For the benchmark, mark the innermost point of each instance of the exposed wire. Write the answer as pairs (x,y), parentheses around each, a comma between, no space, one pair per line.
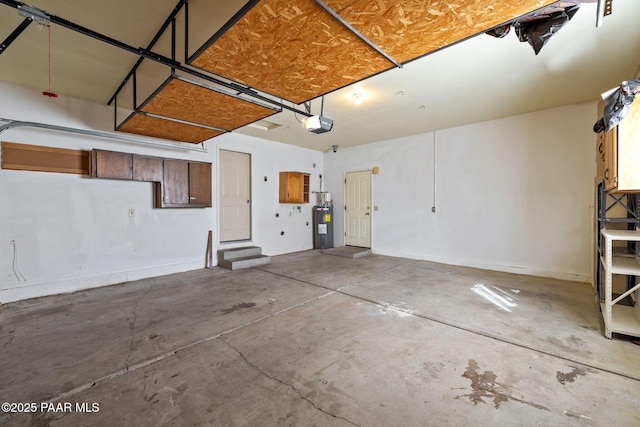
(14,266)
(307,107)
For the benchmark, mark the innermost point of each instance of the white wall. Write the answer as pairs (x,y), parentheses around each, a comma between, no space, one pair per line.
(513,194)
(73,232)
(268,158)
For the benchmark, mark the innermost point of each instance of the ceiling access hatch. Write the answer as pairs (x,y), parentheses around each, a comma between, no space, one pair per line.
(301,50)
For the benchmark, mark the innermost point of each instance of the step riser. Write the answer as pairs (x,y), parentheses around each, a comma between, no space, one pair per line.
(245,263)
(239,258)
(230,254)
(361,254)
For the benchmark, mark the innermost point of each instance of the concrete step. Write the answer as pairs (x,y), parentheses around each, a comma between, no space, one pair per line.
(234,253)
(245,262)
(245,257)
(347,252)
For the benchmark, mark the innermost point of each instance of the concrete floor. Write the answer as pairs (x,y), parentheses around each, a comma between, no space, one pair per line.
(317,340)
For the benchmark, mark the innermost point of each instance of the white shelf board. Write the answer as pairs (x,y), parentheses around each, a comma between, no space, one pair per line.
(624,265)
(625,320)
(629,235)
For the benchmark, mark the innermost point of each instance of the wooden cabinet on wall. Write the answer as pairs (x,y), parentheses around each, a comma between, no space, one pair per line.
(111,165)
(185,184)
(147,168)
(179,183)
(621,149)
(294,187)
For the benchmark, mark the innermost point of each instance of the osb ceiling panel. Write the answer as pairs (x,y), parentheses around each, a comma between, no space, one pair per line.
(410,29)
(186,101)
(294,50)
(166,129)
(298,51)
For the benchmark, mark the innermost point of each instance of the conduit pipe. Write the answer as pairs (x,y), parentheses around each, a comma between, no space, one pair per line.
(99,134)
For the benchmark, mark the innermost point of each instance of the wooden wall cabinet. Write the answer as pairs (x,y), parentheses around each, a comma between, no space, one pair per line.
(179,183)
(294,187)
(185,184)
(622,153)
(147,168)
(111,165)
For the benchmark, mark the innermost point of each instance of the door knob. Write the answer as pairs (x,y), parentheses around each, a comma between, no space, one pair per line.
(367,213)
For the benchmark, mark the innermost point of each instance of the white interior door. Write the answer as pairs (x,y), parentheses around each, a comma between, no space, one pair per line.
(358,209)
(235,196)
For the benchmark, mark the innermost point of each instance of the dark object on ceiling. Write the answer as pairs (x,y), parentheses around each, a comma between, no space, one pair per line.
(499,32)
(537,27)
(617,105)
(538,31)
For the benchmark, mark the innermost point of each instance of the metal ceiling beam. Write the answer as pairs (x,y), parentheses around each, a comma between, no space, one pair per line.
(14,35)
(148,54)
(153,42)
(358,33)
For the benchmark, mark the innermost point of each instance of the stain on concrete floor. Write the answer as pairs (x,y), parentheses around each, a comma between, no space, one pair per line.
(237,307)
(484,385)
(569,377)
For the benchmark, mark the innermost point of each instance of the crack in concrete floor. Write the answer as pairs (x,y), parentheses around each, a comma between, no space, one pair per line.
(163,356)
(290,386)
(132,326)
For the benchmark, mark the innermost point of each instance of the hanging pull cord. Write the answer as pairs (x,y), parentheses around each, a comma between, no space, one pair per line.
(49,93)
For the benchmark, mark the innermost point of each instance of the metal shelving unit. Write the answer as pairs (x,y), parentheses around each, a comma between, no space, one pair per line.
(621,312)
(619,318)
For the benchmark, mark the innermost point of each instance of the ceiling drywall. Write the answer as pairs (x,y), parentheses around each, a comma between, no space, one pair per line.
(479,79)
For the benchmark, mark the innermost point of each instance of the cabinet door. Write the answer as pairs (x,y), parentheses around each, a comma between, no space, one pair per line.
(290,187)
(628,150)
(147,168)
(200,183)
(611,159)
(112,165)
(294,187)
(175,185)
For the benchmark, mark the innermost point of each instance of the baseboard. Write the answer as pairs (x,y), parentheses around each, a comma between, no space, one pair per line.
(561,275)
(10,292)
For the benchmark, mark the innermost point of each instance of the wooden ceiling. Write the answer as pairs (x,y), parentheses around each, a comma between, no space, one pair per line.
(481,79)
(143,124)
(198,112)
(299,51)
